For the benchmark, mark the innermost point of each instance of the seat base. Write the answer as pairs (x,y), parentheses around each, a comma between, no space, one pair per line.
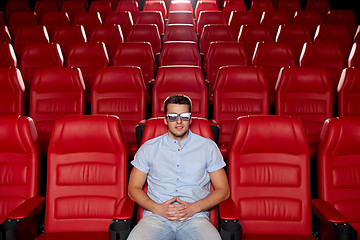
(275,237)
(74,236)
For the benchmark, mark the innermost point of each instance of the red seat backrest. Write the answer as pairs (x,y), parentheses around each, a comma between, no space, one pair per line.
(296,35)
(260,6)
(268,170)
(187,80)
(153,17)
(239,18)
(52,20)
(87,173)
(273,20)
(19,162)
(5,36)
(349,92)
(222,54)
(180,53)
(238,91)
(305,93)
(290,7)
(326,55)
(156,6)
(181,5)
(124,19)
(88,20)
(12,89)
(180,17)
(55,93)
(121,91)
(131,6)
(272,56)
(230,6)
(354,55)
(137,54)
(309,18)
(212,33)
(35,56)
(209,17)
(145,33)
(205,6)
(180,32)
(7,56)
(344,17)
(103,7)
(89,57)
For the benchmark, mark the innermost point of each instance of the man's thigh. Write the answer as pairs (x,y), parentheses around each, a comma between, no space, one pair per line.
(197,229)
(151,228)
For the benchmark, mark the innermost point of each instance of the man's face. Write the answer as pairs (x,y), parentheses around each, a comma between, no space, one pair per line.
(178,129)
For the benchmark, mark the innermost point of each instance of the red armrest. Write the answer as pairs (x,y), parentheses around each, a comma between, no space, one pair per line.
(327,212)
(228,210)
(30,207)
(124,209)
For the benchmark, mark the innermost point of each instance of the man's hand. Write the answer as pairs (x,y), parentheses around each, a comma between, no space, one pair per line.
(173,212)
(190,208)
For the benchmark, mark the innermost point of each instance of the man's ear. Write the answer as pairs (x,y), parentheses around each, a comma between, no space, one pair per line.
(165,121)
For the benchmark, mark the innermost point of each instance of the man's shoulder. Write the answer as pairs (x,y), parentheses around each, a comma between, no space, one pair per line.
(197,138)
(154,140)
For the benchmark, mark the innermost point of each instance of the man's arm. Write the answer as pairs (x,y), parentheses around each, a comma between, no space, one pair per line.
(221,193)
(135,191)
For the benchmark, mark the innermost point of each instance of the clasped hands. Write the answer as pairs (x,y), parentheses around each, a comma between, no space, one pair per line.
(176,212)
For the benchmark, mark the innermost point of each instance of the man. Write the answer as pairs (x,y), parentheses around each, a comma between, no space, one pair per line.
(179,167)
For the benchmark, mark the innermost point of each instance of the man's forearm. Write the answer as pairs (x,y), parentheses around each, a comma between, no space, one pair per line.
(141,198)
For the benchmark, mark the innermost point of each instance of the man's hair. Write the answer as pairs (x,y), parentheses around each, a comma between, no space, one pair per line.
(177,99)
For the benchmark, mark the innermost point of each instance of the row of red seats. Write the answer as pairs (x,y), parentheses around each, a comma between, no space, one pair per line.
(268,170)
(239,90)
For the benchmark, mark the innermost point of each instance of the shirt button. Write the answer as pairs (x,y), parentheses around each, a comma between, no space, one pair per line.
(177,179)
(178,165)
(179,149)
(176,190)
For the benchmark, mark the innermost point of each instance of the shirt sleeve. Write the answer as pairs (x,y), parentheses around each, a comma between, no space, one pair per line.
(141,160)
(216,159)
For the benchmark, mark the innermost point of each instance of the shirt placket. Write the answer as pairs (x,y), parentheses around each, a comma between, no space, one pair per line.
(178,167)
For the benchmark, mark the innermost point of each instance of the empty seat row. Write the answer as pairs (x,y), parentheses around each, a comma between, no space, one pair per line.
(282,157)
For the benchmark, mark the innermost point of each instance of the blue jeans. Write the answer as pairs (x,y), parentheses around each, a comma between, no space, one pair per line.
(155,228)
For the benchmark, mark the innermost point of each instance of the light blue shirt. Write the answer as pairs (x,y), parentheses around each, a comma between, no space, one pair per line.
(178,171)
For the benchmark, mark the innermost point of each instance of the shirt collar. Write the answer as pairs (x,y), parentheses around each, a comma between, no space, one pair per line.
(182,143)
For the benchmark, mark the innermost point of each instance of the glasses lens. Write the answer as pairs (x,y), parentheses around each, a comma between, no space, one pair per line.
(185,116)
(172,117)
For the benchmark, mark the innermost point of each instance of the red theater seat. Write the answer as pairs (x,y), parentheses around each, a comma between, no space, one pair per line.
(338,168)
(290,7)
(309,18)
(87,178)
(20,178)
(16,6)
(209,17)
(305,93)
(204,6)
(150,6)
(268,170)
(273,20)
(230,6)
(36,56)
(337,33)
(250,35)
(260,6)
(72,8)
(326,55)
(124,19)
(344,17)
(137,54)
(321,6)
(110,35)
(131,6)
(212,33)
(180,17)
(271,57)
(145,33)
(12,89)
(187,80)
(121,91)
(55,93)
(52,20)
(25,35)
(180,5)
(296,35)
(42,7)
(5,36)
(180,32)
(239,91)
(239,18)
(68,34)
(103,7)
(180,53)
(21,18)
(222,54)
(89,57)
(348,92)
(7,56)
(153,17)
(88,20)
